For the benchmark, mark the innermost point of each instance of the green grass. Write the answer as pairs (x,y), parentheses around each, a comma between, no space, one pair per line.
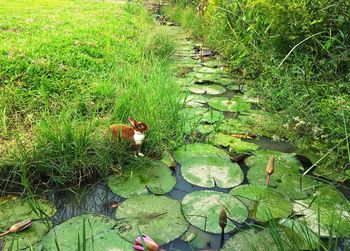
(69,69)
(297,56)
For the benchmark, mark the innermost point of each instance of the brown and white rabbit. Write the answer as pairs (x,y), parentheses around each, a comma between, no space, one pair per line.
(135,134)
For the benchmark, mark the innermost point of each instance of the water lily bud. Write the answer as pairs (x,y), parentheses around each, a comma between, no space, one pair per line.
(223,218)
(270,165)
(20,226)
(150,244)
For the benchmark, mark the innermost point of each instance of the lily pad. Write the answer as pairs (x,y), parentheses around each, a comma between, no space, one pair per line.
(208,89)
(297,186)
(195,100)
(285,237)
(168,160)
(211,70)
(96,231)
(234,126)
(237,104)
(326,212)
(156,216)
(203,77)
(211,172)
(189,151)
(138,178)
(264,203)
(212,63)
(185,81)
(251,240)
(202,209)
(212,117)
(285,163)
(236,145)
(28,237)
(205,129)
(14,209)
(200,240)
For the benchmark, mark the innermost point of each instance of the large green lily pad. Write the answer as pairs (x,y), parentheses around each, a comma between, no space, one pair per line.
(326,212)
(204,69)
(94,229)
(285,163)
(195,100)
(156,216)
(236,104)
(205,129)
(14,209)
(234,126)
(189,151)
(212,171)
(236,145)
(138,178)
(212,117)
(264,203)
(250,240)
(297,186)
(284,237)
(207,89)
(27,238)
(203,77)
(202,210)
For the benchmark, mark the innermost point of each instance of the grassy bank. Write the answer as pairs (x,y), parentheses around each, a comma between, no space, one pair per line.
(69,69)
(297,54)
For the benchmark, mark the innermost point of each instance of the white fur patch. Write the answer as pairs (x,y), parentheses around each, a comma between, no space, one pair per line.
(138,137)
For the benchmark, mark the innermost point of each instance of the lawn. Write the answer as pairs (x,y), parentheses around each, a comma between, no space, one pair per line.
(69,69)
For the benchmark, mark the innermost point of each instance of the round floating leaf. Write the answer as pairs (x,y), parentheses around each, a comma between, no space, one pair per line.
(185,81)
(236,145)
(97,231)
(205,129)
(326,212)
(195,100)
(208,89)
(212,63)
(285,163)
(203,77)
(234,126)
(28,237)
(202,210)
(234,87)
(225,81)
(168,160)
(210,70)
(299,234)
(199,239)
(236,104)
(251,240)
(297,186)
(211,172)
(287,239)
(156,216)
(264,203)
(138,178)
(212,117)
(194,150)
(14,209)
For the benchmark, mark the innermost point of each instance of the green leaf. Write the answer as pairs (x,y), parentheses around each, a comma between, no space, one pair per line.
(156,216)
(202,210)
(138,178)
(236,104)
(211,171)
(236,145)
(264,203)
(207,89)
(194,150)
(98,235)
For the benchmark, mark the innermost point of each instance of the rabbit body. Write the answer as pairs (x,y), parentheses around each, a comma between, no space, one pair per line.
(135,134)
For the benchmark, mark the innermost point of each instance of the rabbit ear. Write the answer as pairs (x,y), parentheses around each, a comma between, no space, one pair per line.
(132,122)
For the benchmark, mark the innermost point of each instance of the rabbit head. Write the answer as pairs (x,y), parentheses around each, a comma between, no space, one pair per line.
(138,126)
